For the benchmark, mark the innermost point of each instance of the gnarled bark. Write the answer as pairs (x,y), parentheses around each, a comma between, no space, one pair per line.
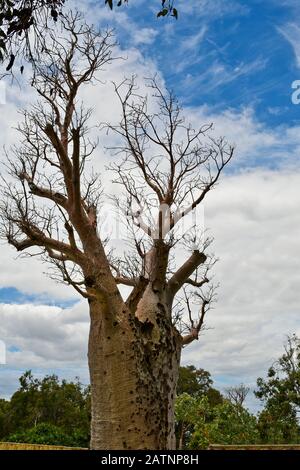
(134,368)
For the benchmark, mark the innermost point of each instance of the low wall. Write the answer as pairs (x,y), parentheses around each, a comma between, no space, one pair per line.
(255,447)
(18,446)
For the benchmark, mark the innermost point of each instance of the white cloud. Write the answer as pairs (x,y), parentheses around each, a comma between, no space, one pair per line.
(30,276)
(44,336)
(255,142)
(144,36)
(119,18)
(256,223)
(255,220)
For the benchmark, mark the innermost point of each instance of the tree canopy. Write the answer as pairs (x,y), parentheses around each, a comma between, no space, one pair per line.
(197,382)
(57,412)
(225,423)
(47,411)
(280,394)
(193,381)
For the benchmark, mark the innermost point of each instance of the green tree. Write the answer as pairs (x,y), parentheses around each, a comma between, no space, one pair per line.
(280,393)
(4,407)
(195,381)
(65,405)
(278,424)
(193,385)
(225,423)
(186,408)
(201,424)
(49,434)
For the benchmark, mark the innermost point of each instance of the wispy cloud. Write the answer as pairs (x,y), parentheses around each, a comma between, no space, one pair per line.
(188,51)
(291,32)
(194,40)
(216,9)
(220,73)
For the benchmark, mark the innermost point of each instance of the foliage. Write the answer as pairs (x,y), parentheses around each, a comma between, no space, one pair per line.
(45,433)
(200,423)
(278,425)
(283,381)
(280,393)
(4,406)
(185,407)
(22,25)
(167,7)
(47,401)
(49,411)
(193,385)
(195,381)
(224,423)
(186,413)
(19,19)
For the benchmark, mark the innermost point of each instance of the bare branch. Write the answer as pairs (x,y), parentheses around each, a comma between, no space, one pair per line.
(194,283)
(183,273)
(237,394)
(56,197)
(195,326)
(50,162)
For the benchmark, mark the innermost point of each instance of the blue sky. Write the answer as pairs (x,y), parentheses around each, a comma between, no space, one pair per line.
(12,295)
(226,54)
(232,62)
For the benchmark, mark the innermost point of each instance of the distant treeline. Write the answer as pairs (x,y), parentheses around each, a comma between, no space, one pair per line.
(49,411)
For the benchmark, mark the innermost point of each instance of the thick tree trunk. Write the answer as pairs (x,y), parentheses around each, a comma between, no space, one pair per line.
(134,368)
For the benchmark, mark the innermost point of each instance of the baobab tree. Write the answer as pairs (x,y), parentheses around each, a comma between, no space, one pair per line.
(53,210)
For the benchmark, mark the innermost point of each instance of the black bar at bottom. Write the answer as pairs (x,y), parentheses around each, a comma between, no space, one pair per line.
(136,459)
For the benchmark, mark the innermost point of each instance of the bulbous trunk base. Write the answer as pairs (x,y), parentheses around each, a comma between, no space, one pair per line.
(134,375)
